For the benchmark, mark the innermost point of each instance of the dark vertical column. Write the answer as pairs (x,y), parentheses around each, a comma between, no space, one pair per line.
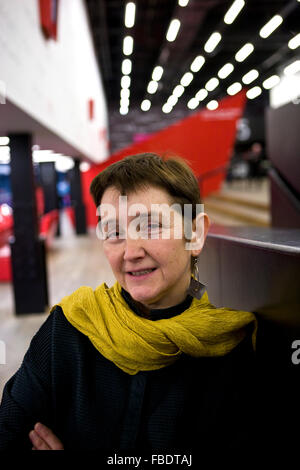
(48,178)
(48,181)
(27,250)
(76,196)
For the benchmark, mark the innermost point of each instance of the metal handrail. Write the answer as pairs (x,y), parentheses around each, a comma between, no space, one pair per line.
(209,174)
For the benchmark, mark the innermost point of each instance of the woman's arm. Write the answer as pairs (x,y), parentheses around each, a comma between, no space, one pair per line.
(27,397)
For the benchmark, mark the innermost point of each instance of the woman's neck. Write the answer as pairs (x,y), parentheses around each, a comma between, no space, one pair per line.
(158,313)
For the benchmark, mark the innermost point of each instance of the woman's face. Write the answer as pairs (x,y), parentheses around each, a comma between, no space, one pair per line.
(168,259)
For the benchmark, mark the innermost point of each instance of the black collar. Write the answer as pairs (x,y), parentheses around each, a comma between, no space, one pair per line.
(159,313)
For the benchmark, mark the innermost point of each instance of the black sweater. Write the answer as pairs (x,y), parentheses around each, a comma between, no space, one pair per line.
(196,404)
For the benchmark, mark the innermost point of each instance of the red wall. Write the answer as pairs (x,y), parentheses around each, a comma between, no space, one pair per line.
(205,139)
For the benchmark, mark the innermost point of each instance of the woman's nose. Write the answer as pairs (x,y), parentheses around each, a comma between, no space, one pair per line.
(133,249)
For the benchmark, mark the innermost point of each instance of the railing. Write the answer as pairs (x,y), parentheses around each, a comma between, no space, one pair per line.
(210,174)
(258,269)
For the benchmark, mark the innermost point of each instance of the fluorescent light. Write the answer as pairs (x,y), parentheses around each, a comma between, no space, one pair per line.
(63,163)
(127,45)
(178,91)
(225,70)
(125,93)
(84,166)
(244,52)
(39,156)
(233,11)
(4,154)
(193,103)
(212,105)
(157,73)
(124,102)
(250,76)
(294,42)
(212,84)
(167,108)
(186,79)
(4,140)
(271,82)
(173,30)
(212,42)
(126,66)
(234,88)
(152,87)
(197,63)
(183,3)
(172,100)
(129,15)
(146,105)
(125,81)
(285,92)
(123,110)
(292,69)
(253,92)
(201,94)
(4,159)
(269,27)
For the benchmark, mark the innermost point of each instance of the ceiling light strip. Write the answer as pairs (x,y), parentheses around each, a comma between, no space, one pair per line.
(271,82)
(225,71)
(253,92)
(292,69)
(250,76)
(129,18)
(197,63)
(127,45)
(157,73)
(129,21)
(212,42)
(244,52)
(294,42)
(183,3)
(212,105)
(234,11)
(173,30)
(146,105)
(270,27)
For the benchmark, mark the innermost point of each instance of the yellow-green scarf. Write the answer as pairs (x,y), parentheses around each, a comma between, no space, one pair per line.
(134,343)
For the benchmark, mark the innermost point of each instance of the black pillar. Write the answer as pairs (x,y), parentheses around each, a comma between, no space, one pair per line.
(48,179)
(27,250)
(76,197)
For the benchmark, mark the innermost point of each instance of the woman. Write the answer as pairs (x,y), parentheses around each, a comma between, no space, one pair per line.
(148,364)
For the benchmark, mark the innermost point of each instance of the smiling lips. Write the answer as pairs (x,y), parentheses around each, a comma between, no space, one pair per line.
(141,272)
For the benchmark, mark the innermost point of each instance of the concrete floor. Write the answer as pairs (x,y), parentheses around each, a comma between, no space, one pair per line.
(72,261)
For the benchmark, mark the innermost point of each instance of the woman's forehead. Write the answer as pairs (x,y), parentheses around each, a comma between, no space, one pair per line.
(152,202)
(145,196)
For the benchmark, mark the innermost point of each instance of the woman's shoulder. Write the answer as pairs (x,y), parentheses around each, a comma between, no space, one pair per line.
(55,335)
(55,322)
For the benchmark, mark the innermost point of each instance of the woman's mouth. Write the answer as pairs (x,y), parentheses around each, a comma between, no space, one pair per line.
(141,274)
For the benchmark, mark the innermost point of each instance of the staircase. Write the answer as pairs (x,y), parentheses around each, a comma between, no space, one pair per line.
(240,203)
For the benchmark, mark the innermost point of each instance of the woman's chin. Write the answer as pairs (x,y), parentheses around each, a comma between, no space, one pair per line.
(142,294)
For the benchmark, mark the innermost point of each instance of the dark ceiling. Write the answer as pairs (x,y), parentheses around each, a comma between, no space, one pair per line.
(199,19)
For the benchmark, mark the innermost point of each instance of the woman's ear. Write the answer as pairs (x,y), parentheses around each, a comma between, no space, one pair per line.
(200,228)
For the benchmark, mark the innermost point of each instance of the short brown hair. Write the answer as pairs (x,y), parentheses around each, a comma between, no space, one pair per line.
(149,169)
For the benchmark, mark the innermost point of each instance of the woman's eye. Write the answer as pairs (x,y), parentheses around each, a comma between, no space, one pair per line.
(113,235)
